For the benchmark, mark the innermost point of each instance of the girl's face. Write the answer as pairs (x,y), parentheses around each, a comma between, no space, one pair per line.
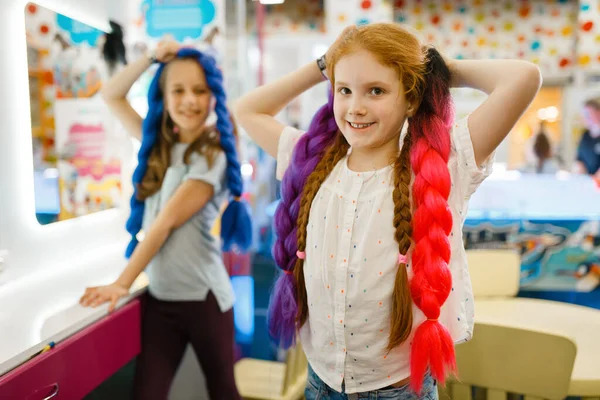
(187,97)
(369,102)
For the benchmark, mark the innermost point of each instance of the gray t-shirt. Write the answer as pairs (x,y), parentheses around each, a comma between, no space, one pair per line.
(190,262)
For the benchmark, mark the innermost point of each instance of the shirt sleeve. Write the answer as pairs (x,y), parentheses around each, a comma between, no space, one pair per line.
(471,174)
(215,175)
(287,140)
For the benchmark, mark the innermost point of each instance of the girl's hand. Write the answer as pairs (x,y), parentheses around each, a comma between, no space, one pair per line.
(94,296)
(166,50)
(339,39)
(449,61)
(451,64)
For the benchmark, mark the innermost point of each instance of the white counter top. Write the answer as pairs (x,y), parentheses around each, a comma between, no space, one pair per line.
(44,307)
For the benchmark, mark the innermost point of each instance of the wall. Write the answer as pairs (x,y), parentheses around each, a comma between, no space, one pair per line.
(560,36)
(588,55)
(30,245)
(543,32)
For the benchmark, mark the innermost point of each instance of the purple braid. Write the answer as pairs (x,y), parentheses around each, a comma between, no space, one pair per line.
(310,148)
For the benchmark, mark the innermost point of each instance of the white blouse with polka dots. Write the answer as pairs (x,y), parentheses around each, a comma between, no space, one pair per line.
(350,267)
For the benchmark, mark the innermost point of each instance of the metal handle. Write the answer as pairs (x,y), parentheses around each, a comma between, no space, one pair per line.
(54,392)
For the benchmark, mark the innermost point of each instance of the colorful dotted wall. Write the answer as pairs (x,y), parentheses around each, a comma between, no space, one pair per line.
(557,35)
(340,13)
(588,45)
(541,31)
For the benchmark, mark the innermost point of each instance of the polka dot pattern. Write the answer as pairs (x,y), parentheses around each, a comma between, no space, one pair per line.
(359,12)
(588,36)
(541,32)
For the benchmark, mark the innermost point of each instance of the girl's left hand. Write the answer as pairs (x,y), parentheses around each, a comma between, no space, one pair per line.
(451,64)
(94,296)
(167,49)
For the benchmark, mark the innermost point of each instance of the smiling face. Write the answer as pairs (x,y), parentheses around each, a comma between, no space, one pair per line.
(369,102)
(187,97)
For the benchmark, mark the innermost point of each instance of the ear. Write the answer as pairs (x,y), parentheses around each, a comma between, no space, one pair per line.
(213,103)
(410,110)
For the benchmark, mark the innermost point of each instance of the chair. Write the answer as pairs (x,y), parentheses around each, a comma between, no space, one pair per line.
(506,360)
(494,273)
(272,380)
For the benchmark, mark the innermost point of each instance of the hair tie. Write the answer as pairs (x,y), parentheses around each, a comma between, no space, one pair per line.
(301,255)
(285,271)
(237,198)
(402,258)
(432,319)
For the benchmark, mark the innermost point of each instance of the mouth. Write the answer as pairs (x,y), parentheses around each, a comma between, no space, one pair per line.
(360,126)
(190,114)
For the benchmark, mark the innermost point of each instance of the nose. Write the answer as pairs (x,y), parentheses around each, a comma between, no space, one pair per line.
(189,98)
(357,107)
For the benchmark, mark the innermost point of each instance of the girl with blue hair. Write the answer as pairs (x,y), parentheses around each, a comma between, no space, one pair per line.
(185,172)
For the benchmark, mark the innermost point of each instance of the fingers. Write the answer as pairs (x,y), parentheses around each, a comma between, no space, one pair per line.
(93,297)
(96,300)
(166,55)
(169,57)
(348,29)
(113,302)
(89,292)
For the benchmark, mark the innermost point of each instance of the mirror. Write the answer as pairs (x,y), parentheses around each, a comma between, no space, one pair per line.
(76,160)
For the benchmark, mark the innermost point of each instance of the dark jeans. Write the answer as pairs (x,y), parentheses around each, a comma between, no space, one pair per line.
(167,328)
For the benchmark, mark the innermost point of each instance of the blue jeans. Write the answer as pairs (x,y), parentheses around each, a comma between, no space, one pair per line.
(316,389)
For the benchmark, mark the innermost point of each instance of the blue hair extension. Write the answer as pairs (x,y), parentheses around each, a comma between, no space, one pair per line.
(236,222)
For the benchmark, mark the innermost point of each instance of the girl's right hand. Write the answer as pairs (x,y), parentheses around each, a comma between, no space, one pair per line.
(94,296)
(166,50)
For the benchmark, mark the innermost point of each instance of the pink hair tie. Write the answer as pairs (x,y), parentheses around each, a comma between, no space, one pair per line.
(301,255)
(402,258)
(285,271)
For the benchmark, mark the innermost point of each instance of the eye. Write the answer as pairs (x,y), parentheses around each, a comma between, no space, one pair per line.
(178,91)
(201,91)
(344,90)
(377,91)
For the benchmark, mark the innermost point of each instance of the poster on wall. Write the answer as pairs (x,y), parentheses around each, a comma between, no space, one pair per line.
(180,19)
(193,22)
(78,59)
(89,164)
(72,118)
